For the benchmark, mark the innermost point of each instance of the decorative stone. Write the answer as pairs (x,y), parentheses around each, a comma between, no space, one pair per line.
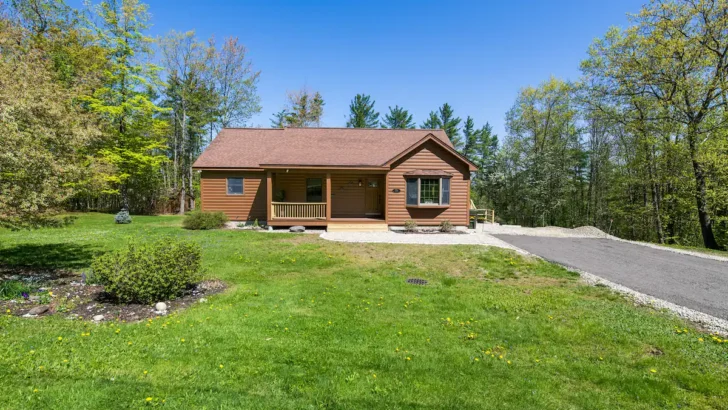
(34,298)
(297,229)
(98,318)
(38,310)
(160,307)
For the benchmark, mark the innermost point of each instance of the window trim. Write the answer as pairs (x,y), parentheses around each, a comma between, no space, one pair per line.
(419,204)
(242,186)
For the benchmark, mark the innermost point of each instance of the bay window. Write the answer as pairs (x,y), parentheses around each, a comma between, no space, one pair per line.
(428,191)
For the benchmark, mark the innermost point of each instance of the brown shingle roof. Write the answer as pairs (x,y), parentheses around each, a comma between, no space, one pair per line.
(345,147)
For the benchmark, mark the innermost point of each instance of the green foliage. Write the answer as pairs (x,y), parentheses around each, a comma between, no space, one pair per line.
(12,289)
(446,226)
(362,113)
(398,118)
(151,272)
(450,124)
(304,109)
(122,217)
(410,225)
(199,220)
(432,122)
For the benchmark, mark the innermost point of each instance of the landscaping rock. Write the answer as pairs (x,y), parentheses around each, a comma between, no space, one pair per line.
(34,298)
(98,318)
(38,310)
(160,307)
(203,300)
(297,229)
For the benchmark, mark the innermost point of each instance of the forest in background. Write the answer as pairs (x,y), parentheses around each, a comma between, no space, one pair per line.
(97,115)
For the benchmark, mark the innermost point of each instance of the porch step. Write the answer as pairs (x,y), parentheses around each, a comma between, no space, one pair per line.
(357,227)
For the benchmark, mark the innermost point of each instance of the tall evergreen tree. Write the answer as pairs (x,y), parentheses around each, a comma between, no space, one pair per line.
(398,117)
(470,135)
(450,124)
(304,109)
(362,113)
(432,122)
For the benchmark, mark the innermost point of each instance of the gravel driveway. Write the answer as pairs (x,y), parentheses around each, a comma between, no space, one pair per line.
(697,283)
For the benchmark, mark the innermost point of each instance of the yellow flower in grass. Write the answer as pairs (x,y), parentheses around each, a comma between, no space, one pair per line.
(60,338)
(653,371)
(509,362)
(149,399)
(221,366)
(182,340)
(129,343)
(409,358)
(145,372)
(374,376)
(35,390)
(700,339)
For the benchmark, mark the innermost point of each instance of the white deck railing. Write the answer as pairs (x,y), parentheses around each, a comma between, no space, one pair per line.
(299,210)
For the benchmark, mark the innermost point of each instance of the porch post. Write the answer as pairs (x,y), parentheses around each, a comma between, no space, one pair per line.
(328,196)
(269,196)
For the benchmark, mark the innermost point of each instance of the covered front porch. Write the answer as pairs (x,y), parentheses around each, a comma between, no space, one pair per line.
(315,197)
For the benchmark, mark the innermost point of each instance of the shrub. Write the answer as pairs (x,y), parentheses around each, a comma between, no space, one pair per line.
(123,217)
(410,225)
(149,272)
(11,289)
(446,226)
(204,220)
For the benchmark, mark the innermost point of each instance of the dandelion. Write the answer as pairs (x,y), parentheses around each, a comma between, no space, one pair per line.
(35,390)
(149,399)
(50,293)
(509,362)
(182,340)
(374,376)
(118,331)
(145,372)
(221,366)
(538,361)
(409,358)
(129,343)
(601,358)
(700,339)
(653,371)
(60,338)
(477,360)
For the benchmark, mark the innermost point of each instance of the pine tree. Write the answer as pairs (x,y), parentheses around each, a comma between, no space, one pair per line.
(432,122)
(361,113)
(450,124)
(398,118)
(471,138)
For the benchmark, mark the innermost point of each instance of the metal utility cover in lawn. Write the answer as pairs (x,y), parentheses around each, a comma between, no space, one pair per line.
(416,281)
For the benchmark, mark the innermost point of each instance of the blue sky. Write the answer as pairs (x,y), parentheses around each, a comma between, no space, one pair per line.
(475,55)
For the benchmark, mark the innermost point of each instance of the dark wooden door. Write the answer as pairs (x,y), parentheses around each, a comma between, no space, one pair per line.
(373,197)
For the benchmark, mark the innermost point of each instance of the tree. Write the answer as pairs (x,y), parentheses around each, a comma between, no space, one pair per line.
(304,109)
(193,103)
(675,58)
(124,103)
(279,119)
(44,134)
(362,113)
(450,124)
(399,118)
(471,138)
(432,122)
(236,83)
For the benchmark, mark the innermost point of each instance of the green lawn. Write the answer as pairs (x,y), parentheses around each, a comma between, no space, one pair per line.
(307,323)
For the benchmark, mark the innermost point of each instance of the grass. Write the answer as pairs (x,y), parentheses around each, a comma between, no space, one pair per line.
(715,252)
(308,323)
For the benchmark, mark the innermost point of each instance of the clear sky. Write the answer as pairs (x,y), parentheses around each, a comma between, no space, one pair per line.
(475,55)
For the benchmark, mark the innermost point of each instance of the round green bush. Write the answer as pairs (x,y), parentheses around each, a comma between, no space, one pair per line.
(151,272)
(204,220)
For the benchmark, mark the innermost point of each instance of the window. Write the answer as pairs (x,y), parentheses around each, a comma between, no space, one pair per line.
(428,191)
(314,191)
(235,186)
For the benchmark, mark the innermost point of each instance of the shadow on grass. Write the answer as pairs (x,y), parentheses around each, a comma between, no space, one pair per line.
(51,260)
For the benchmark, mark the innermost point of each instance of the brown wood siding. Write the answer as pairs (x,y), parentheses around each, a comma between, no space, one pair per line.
(247,207)
(294,185)
(429,156)
(347,197)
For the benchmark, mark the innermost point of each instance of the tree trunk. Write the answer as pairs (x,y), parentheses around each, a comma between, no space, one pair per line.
(706,224)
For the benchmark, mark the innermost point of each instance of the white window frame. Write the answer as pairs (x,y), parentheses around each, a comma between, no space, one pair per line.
(242,186)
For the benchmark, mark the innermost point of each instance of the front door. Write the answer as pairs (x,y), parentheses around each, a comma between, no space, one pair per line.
(373,196)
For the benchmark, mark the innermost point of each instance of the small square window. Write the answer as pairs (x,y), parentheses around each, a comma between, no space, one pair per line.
(429,191)
(235,186)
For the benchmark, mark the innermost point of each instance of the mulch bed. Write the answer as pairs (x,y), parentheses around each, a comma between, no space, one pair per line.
(67,295)
(431,232)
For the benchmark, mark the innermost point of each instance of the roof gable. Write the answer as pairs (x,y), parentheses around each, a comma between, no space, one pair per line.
(252,148)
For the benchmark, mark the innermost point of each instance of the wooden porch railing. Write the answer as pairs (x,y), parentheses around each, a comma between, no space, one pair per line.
(298,210)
